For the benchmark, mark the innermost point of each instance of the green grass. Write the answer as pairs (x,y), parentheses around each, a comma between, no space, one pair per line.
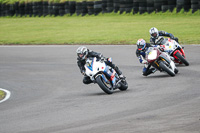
(110,28)
(2,95)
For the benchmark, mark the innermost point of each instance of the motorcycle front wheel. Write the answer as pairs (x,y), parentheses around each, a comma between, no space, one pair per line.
(107,88)
(166,69)
(123,85)
(182,59)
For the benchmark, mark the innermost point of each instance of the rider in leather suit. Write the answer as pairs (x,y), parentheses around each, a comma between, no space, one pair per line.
(155,34)
(142,47)
(83,53)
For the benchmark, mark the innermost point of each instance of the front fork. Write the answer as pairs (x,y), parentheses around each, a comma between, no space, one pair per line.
(111,74)
(156,63)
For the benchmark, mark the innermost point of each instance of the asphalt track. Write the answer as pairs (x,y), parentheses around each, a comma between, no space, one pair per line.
(48,96)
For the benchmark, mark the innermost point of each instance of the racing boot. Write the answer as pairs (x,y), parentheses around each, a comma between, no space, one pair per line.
(119,72)
(115,68)
(150,71)
(176,70)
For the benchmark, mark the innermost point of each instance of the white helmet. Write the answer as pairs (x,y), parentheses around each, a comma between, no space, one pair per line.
(154,32)
(141,44)
(82,52)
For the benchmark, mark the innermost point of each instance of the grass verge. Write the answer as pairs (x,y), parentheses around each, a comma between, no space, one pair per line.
(2,95)
(112,28)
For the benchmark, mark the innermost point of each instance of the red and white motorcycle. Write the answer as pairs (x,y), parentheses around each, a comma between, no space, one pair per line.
(105,76)
(174,49)
(161,61)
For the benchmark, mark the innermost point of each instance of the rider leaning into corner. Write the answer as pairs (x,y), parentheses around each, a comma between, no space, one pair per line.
(142,47)
(155,34)
(83,53)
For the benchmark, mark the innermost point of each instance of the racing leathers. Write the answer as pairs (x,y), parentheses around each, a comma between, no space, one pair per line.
(99,56)
(141,56)
(163,33)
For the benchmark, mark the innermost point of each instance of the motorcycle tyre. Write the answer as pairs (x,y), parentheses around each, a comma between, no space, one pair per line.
(103,86)
(182,59)
(166,69)
(124,85)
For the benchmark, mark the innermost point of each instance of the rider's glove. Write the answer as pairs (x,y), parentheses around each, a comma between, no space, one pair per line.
(83,72)
(109,59)
(144,62)
(102,59)
(162,49)
(176,39)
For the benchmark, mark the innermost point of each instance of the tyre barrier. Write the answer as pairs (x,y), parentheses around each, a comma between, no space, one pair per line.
(97,7)
(44,8)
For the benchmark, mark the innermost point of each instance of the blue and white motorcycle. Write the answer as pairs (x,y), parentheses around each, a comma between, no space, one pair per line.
(105,76)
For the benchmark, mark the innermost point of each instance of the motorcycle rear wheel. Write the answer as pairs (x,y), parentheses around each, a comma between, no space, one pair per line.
(103,85)
(182,59)
(166,69)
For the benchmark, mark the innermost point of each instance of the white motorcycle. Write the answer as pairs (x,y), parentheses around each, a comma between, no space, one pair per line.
(105,76)
(174,49)
(161,61)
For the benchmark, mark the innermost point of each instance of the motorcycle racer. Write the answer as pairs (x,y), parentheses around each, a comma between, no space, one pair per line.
(142,47)
(83,53)
(155,34)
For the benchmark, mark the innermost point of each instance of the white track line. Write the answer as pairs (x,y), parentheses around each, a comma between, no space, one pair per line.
(7,95)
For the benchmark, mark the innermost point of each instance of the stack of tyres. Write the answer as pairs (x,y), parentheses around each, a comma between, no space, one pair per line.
(183,4)
(40,9)
(104,6)
(129,6)
(84,8)
(143,6)
(22,9)
(90,7)
(72,7)
(164,6)
(110,6)
(158,5)
(78,8)
(187,5)
(10,11)
(28,9)
(199,5)
(45,8)
(55,9)
(16,5)
(126,6)
(35,8)
(0,10)
(135,6)
(6,10)
(150,6)
(97,7)
(179,5)
(67,7)
(122,6)
(62,9)
(194,5)
(171,5)
(116,5)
